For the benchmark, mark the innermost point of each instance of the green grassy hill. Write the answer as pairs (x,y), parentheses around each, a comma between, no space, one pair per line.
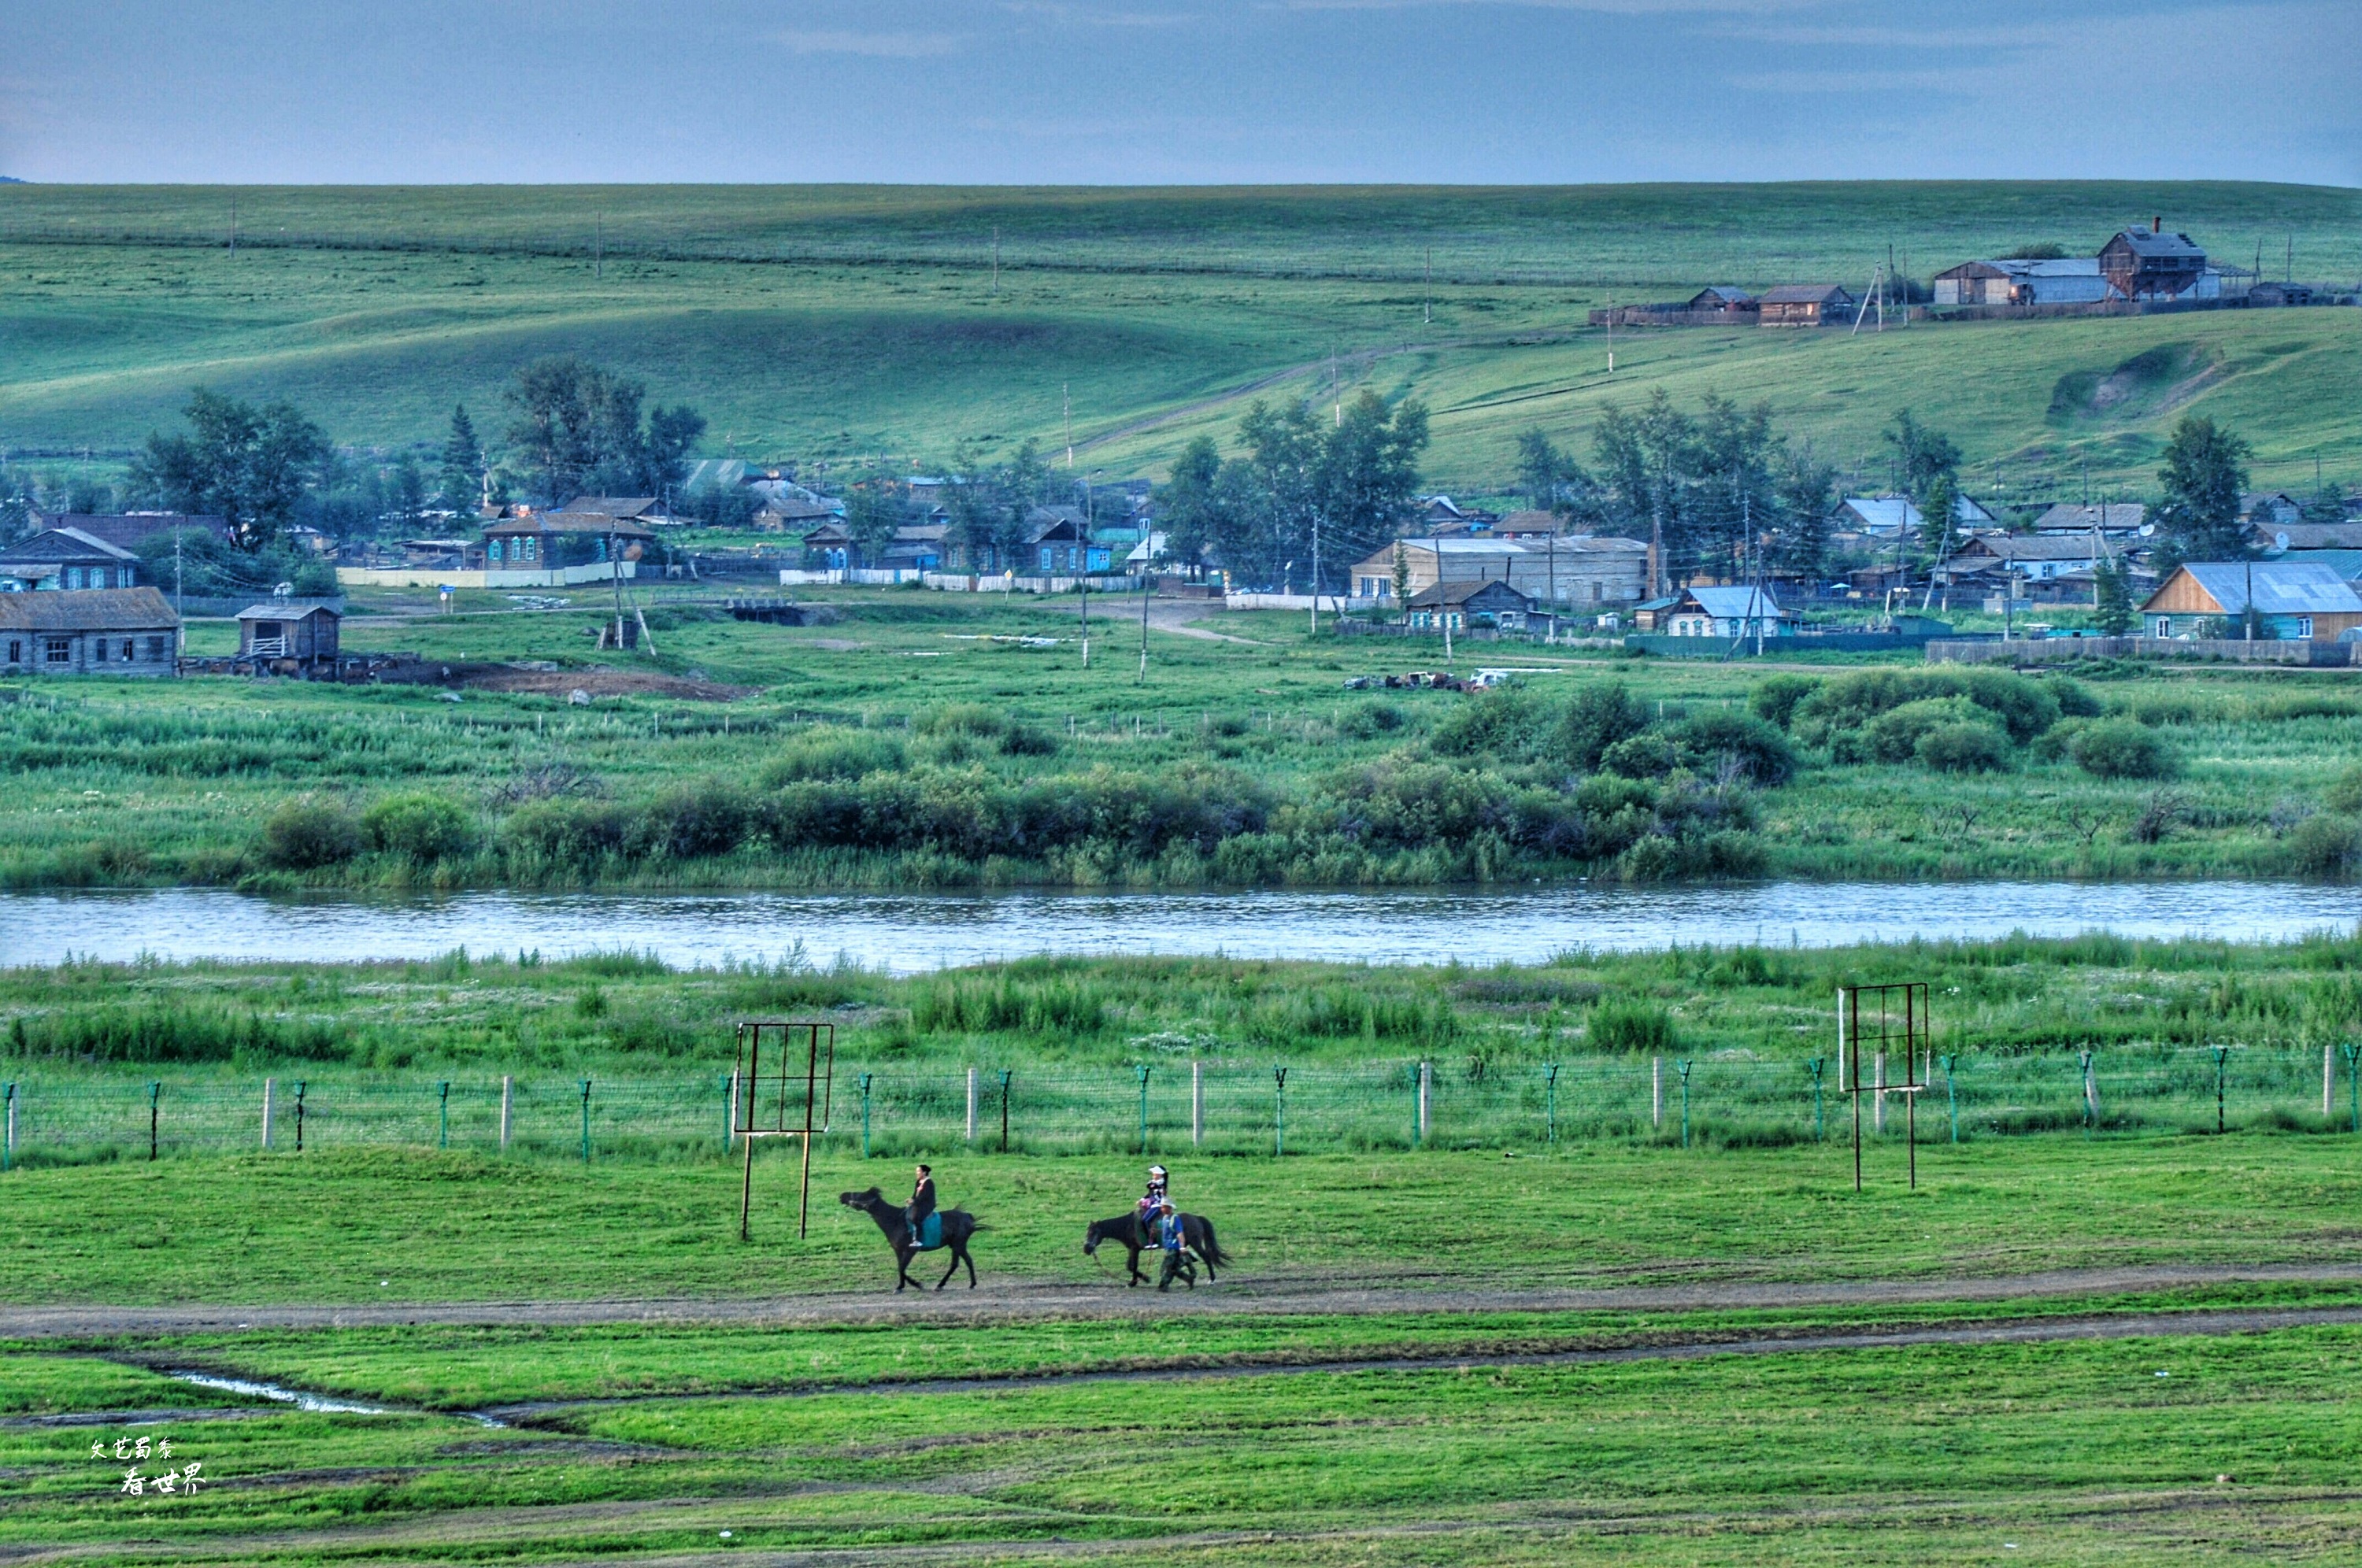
(836,322)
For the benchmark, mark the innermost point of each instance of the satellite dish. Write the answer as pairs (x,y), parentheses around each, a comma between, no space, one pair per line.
(282,590)
(2146,529)
(2280,540)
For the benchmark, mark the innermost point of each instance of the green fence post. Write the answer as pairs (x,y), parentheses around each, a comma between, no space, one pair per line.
(300,1086)
(1279,1113)
(1953,1096)
(1142,1071)
(865,1115)
(2084,1087)
(1820,1129)
(155,1090)
(1683,1067)
(2221,1053)
(586,1121)
(1415,1085)
(443,1100)
(8,1139)
(1004,1111)
(2353,1086)
(1550,1103)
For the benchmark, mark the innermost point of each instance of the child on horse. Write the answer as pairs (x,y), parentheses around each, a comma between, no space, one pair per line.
(1152,1204)
(922,1204)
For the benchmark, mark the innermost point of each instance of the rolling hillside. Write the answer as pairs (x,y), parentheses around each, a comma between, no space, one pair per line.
(841,322)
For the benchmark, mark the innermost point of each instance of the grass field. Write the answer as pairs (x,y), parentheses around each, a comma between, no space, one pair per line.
(123,783)
(839,323)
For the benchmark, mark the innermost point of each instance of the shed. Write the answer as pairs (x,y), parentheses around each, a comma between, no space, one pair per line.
(2015,281)
(66,559)
(1718,297)
(1807,304)
(290,634)
(2292,598)
(106,631)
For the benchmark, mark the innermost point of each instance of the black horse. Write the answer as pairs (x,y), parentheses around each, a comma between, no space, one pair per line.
(1196,1235)
(959,1225)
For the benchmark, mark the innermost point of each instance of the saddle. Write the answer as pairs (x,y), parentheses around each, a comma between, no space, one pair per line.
(931,1232)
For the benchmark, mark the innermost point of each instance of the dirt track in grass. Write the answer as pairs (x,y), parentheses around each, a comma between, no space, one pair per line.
(1240,1296)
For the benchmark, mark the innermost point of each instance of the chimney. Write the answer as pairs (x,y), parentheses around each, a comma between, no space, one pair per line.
(2156,224)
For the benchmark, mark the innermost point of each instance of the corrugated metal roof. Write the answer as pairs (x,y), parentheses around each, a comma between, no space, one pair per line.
(1738,604)
(291,609)
(2282,587)
(64,544)
(1807,294)
(88,610)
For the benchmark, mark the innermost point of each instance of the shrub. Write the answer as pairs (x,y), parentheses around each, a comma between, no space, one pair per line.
(305,834)
(2115,749)
(1372,719)
(2325,846)
(2075,699)
(978,722)
(1507,722)
(1964,748)
(1634,1027)
(421,827)
(570,836)
(1842,713)
(2345,793)
(832,751)
(1601,715)
(1893,736)
(694,820)
(1649,754)
(1761,751)
(1774,700)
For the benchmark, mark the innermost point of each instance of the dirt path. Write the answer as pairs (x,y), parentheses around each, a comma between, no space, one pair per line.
(1236,1295)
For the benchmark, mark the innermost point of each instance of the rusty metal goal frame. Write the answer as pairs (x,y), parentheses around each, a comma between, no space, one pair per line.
(791,1099)
(1872,1021)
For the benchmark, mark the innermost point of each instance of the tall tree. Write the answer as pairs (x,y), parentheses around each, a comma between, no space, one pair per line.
(1921,454)
(405,493)
(1188,502)
(460,485)
(1806,491)
(249,465)
(578,429)
(873,513)
(2204,474)
(1649,464)
(1365,480)
(2112,599)
(1938,499)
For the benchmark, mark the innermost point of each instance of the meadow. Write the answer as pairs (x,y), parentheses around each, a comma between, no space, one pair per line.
(939,740)
(850,323)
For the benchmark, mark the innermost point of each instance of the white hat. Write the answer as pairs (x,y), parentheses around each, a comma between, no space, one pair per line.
(1156,1170)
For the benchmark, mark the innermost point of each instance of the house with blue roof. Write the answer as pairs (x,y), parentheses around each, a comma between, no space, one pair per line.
(2293,599)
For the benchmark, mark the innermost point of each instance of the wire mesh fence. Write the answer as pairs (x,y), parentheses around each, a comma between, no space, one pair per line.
(1214,1108)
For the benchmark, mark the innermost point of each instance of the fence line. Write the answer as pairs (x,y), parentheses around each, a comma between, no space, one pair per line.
(1174,1105)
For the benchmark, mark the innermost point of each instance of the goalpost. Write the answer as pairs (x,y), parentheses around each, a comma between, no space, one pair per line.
(1873,1021)
(780,1089)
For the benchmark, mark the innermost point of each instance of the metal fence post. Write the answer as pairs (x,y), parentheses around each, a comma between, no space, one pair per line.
(586,1121)
(269,1084)
(1820,1128)
(1952,1096)
(508,1100)
(1418,1105)
(1142,1071)
(1683,1068)
(8,1139)
(1279,1112)
(300,1086)
(2091,1095)
(1004,1110)
(1550,1103)
(865,1115)
(2221,1053)
(443,1114)
(2354,1085)
(156,1091)
(1657,1092)
(1196,1104)
(730,1110)
(971,1105)
(2328,1080)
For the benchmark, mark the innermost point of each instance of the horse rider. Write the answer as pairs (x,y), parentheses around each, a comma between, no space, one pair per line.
(1152,1203)
(922,1204)
(1169,1237)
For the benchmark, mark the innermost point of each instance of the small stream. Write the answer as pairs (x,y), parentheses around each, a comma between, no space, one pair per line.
(915,932)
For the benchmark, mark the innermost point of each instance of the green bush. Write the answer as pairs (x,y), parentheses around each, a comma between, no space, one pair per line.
(2345,792)
(1649,754)
(420,827)
(1964,748)
(305,834)
(1893,736)
(833,751)
(694,820)
(2075,699)
(1841,714)
(1601,714)
(2114,749)
(1774,700)
(1507,722)
(2325,846)
(1763,754)
(1633,1027)
(1372,719)
(564,836)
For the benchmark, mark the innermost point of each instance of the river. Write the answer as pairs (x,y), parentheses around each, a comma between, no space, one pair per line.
(913,932)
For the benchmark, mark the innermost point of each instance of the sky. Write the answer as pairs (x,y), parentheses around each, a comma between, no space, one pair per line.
(1046,92)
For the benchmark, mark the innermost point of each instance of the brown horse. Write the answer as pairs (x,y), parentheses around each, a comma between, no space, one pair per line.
(959,1226)
(1196,1235)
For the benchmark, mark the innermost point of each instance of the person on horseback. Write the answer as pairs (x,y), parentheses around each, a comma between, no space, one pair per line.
(922,1204)
(1153,1204)
(1170,1238)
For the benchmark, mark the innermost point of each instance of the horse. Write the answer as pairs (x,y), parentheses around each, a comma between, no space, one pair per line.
(959,1225)
(1196,1235)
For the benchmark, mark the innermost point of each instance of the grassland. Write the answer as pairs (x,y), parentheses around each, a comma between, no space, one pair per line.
(847,322)
(121,783)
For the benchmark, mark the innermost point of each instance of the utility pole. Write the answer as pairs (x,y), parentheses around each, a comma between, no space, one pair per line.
(1066,401)
(233,228)
(1427,306)
(597,246)
(996,260)
(1083,577)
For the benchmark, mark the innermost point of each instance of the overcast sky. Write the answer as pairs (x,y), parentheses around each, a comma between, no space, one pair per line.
(1156,91)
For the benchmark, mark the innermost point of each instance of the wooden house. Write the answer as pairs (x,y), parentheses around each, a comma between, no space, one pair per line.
(1717,297)
(1807,304)
(2293,599)
(290,636)
(540,540)
(2074,280)
(108,631)
(1727,613)
(2155,265)
(1488,602)
(65,558)
(129,530)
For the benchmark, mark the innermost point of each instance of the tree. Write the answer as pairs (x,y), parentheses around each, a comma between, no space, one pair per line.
(2112,599)
(460,485)
(1188,502)
(1402,578)
(1649,464)
(1806,490)
(406,493)
(1366,478)
(1921,454)
(250,466)
(873,514)
(578,430)
(1936,503)
(2204,474)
